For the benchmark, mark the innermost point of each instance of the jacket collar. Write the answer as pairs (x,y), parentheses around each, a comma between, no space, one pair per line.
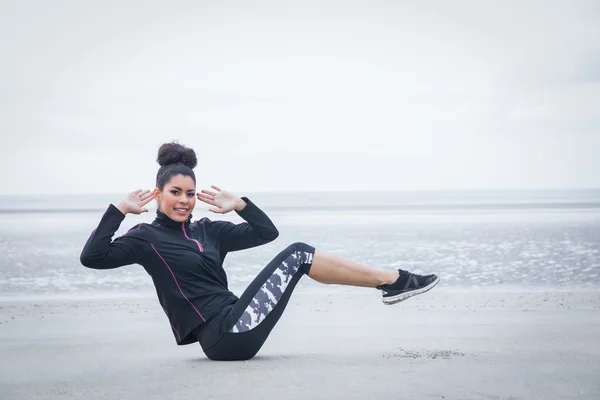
(164,220)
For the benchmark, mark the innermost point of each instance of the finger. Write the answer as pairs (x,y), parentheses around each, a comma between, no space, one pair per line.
(212,203)
(144,202)
(145,199)
(140,193)
(215,210)
(147,195)
(215,187)
(208,192)
(144,210)
(205,196)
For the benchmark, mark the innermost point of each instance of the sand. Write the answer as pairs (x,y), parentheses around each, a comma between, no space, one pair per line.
(446,344)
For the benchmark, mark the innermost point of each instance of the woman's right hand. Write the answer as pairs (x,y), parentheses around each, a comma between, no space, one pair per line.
(135,201)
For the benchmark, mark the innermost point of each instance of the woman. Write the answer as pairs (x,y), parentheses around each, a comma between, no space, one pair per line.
(185,261)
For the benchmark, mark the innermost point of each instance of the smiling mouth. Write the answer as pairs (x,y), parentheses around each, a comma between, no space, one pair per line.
(181,210)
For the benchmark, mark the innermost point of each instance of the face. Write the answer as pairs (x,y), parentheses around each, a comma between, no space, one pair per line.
(178,198)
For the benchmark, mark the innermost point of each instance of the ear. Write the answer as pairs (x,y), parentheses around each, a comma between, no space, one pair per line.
(157,194)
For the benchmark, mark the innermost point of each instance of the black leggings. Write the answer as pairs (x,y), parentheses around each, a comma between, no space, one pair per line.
(239,331)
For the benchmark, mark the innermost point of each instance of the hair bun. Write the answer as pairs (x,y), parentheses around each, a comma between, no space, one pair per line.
(172,153)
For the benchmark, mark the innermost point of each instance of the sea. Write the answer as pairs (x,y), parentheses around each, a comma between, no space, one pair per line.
(485,240)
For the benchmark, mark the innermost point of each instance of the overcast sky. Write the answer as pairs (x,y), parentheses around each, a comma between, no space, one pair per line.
(300,95)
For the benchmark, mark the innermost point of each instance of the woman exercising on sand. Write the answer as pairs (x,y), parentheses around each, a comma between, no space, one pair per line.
(185,261)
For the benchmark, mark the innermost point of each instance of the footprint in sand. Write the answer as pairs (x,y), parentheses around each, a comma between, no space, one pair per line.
(431,354)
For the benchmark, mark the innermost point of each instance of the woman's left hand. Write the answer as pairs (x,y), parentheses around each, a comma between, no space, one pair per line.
(221,200)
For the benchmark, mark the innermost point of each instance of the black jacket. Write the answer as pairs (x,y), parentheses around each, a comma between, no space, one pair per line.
(184,259)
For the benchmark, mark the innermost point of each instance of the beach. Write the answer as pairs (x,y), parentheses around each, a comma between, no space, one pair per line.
(515,316)
(445,344)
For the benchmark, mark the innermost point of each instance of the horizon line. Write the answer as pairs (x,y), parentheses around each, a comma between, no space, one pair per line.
(294,191)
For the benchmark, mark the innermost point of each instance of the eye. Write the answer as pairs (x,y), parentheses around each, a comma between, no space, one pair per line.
(190,194)
(175,192)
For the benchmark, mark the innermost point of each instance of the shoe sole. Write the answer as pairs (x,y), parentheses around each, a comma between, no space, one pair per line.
(403,296)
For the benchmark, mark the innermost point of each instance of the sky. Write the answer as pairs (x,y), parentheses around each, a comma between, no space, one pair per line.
(300,95)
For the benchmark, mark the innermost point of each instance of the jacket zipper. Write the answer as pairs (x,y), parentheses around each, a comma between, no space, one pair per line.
(193,240)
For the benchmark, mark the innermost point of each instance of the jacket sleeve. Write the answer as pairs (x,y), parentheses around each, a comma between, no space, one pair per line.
(100,252)
(257,229)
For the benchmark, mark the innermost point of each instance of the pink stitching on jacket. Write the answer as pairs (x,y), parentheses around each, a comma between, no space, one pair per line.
(177,283)
(194,240)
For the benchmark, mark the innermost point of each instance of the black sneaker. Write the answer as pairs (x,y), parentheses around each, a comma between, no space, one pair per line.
(407,285)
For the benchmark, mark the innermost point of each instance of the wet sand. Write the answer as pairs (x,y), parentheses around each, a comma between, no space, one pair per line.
(442,345)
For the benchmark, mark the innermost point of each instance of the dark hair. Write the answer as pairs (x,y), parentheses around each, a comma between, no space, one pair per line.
(174,159)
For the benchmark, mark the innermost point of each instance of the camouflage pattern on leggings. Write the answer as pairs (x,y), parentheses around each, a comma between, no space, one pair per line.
(271,291)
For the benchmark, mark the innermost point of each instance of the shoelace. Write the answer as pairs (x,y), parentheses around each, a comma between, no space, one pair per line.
(403,272)
(407,274)
(420,278)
